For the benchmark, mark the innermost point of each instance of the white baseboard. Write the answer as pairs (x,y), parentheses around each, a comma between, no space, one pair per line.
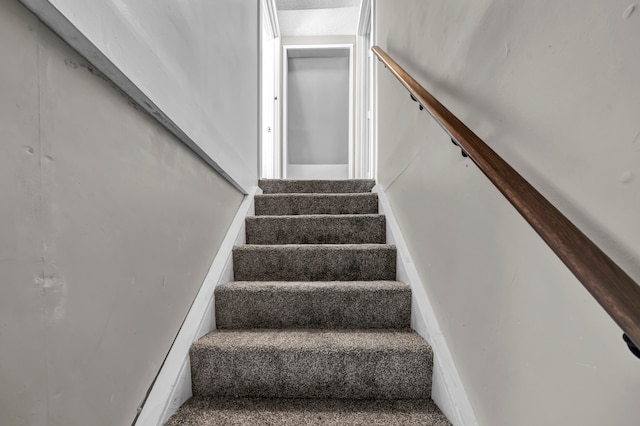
(172,387)
(317,171)
(447,391)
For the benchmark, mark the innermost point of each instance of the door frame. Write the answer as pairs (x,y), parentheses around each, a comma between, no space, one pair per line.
(325,49)
(268,152)
(365,147)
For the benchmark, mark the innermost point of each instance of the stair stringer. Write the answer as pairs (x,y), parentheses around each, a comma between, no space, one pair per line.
(447,389)
(172,386)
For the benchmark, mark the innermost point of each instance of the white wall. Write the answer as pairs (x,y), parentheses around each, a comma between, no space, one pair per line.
(318,22)
(553,88)
(108,226)
(197,61)
(318,110)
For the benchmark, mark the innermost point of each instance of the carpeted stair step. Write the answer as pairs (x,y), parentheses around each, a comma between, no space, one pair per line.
(316,229)
(308,204)
(317,305)
(362,364)
(312,262)
(280,186)
(315,329)
(204,411)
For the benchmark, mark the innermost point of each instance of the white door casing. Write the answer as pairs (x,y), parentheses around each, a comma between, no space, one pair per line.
(269,89)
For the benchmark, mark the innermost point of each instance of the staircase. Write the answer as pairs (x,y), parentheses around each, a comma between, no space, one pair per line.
(315,330)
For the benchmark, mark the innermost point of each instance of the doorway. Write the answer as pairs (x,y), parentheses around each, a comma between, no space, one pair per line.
(318,112)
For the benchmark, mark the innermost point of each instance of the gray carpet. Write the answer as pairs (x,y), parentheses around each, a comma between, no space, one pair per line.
(273,186)
(319,305)
(317,229)
(315,329)
(359,364)
(307,204)
(315,262)
(203,411)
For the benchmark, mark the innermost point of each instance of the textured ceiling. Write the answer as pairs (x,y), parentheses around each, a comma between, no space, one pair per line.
(315,4)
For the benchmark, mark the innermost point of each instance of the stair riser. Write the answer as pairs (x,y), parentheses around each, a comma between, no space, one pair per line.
(311,374)
(280,205)
(365,229)
(314,264)
(320,308)
(203,411)
(275,186)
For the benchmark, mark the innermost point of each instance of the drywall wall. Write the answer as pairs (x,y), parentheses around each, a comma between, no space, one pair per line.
(318,22)
(318,104)
(196,61)
(108,227)
(306,40)
(553,88)
(314,4)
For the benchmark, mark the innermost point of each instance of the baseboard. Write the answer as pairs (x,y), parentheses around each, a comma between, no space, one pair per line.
(172,387)
(317,171)
(448,391)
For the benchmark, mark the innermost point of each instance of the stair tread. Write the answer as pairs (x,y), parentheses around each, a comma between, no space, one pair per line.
(304,286)
(295,363)
(316,185)
(319,217)
(207,411)
(313,304)
(316,229)
(315,262)
(338,195)
(315,247)
(316,203)
(330,340)
(312,363)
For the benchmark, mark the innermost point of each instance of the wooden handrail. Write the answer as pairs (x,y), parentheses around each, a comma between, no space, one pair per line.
(618,294)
